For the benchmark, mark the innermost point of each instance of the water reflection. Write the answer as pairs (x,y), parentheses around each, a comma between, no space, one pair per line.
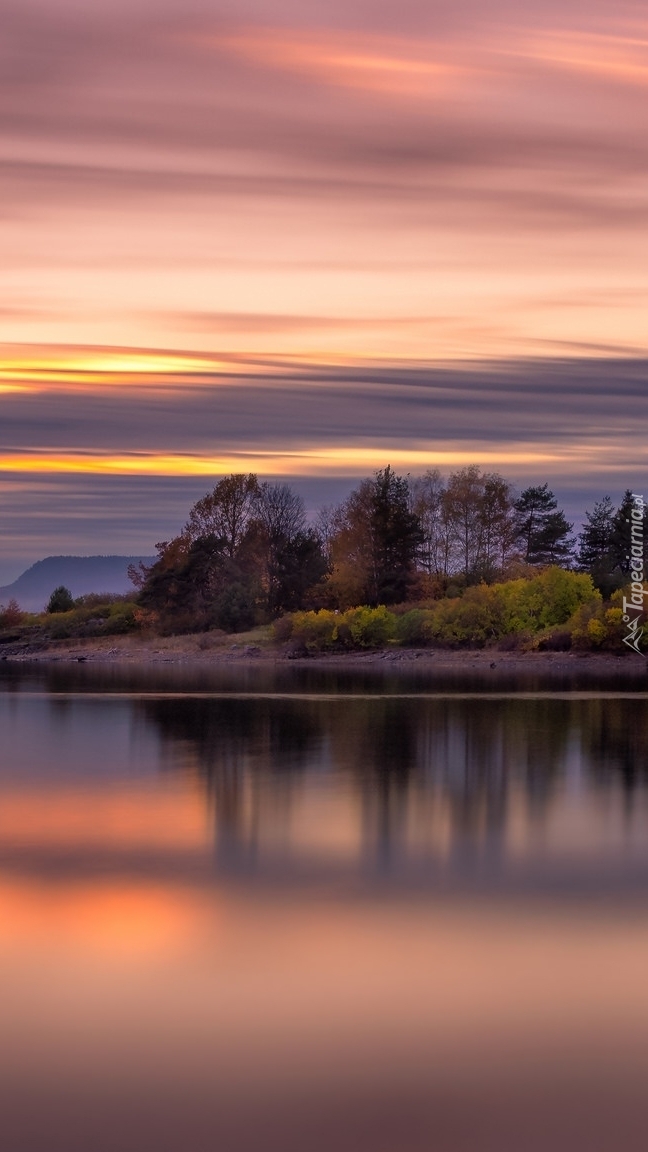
(250,917)
(450,783)
(468,782)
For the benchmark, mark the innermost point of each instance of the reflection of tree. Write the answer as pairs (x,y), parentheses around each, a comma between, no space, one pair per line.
(237,745)
(385,761)
(428,776)
(451,761)
(614,738)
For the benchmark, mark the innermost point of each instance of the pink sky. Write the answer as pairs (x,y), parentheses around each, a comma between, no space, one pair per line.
(348,182)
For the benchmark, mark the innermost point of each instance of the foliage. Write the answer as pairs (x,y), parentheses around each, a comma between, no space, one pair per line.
(226,512)
(11,615)
(595,545)
(606,542)
(467,523)
(479,515)
(541,528)
(234,609)
(374,542)
(423,561)
(396,537)
(475,618)
(60,600)
(187,586)
(370,627)
(114,616)
(245,554)
(600,625)
(484,614)
(324,630)
(549,599)
(621,541)
(413,627)
(317,631)
(299,565)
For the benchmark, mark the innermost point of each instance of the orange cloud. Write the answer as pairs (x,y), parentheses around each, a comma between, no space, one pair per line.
(30,369)
(375,64)
(342,459)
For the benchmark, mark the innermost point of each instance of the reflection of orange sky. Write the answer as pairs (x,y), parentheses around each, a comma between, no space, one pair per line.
(113,919)
(115,818)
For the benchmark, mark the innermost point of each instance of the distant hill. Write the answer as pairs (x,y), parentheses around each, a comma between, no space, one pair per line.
(81,574)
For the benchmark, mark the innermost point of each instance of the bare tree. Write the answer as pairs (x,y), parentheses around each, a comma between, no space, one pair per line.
(280,510)
(479,512)
(429,505)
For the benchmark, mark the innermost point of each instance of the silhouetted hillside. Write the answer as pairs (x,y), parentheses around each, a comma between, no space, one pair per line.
(81,574)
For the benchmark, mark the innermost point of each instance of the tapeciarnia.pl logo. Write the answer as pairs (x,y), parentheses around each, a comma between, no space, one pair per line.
(633,609)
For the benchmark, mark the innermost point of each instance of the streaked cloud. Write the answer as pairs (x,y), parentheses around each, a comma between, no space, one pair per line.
(620,59)
(87,465)
(376,64)
(268,233)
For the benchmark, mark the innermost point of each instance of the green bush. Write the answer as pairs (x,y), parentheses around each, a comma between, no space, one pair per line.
(413,627)
(370,627)
(327,630)
(484,614)
(235,609)
(599,626)
(545,601)
(112,617)
(476,618)
(317,630)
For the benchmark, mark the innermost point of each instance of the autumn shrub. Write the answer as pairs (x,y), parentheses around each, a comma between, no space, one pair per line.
(370,627)
(11,615)
(547,600)
(599,626)
(413,627)
(326,630)
(476,618)
(510,615)
(111,617)
(318,631)
(282,629)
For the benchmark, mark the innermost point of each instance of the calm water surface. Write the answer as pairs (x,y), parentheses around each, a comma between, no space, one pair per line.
(293,910)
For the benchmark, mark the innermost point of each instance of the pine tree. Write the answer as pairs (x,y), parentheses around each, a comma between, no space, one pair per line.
(397,536)
(60,600)
(595,545)
(620,543)
(375,542)
(542,528)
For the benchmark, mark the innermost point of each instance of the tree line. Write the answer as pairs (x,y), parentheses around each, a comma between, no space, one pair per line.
(248,554)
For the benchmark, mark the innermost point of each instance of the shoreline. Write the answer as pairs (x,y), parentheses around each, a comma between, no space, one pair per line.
(197,651)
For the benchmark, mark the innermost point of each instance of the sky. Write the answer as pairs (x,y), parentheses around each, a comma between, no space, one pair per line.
(310,239)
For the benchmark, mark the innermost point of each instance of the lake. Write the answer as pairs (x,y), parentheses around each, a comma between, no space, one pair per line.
(298,909)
